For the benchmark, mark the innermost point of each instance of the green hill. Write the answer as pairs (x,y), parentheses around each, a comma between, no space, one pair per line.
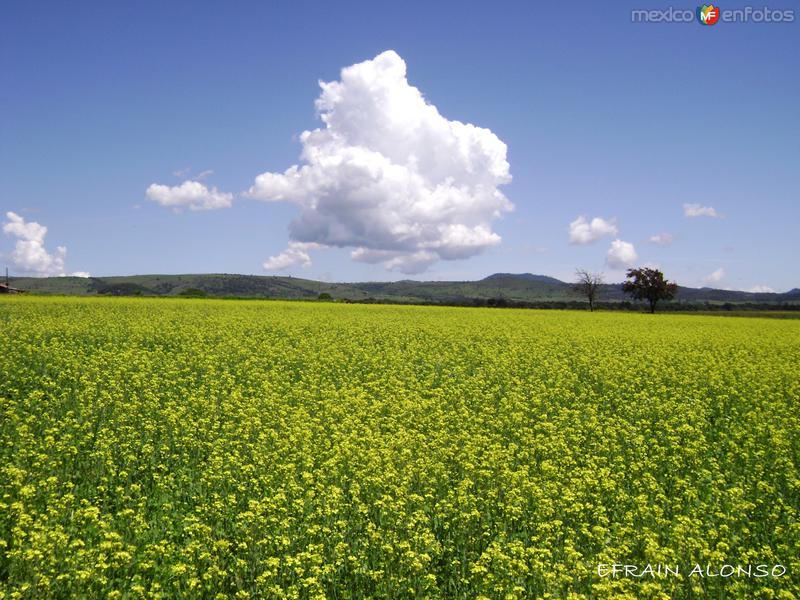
(497,288)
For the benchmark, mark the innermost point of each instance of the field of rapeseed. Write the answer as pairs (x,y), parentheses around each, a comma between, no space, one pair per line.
(181,448)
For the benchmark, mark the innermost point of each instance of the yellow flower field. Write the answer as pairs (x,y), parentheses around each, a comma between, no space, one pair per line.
(256,449)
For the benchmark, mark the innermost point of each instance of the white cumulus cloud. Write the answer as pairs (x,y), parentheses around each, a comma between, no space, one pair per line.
(662,239)
(621,255)
(714,277)
(389,176)
(190,194)
(295,255)
(29,254)
(582,231)
(698,210)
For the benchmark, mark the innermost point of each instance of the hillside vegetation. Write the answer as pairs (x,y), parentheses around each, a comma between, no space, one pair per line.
(505,287)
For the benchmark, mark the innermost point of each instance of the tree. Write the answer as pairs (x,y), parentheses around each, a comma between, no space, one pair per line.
(649,284)
(588,285)
(325,296)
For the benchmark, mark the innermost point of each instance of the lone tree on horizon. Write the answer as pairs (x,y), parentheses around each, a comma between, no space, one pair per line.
(649,284)
(588,285)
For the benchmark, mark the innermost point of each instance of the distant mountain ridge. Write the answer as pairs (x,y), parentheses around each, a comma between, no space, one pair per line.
(511,287)
(522,276)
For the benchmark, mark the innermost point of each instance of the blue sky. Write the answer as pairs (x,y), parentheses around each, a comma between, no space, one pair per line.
(601,117)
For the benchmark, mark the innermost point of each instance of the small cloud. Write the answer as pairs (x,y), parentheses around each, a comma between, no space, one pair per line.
(181,173)
(714,277)
(84,274)
(295,255)
(621,255)
(662,239)
(29,254)
(582,231)
(190,194)
(204,174)
(697,210)
(761,289)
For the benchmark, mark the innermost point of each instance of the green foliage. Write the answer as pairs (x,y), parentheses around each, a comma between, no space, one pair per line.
(120,289)
(153,448)
(649,284)
(516,290)
(325,296)
(193,293)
